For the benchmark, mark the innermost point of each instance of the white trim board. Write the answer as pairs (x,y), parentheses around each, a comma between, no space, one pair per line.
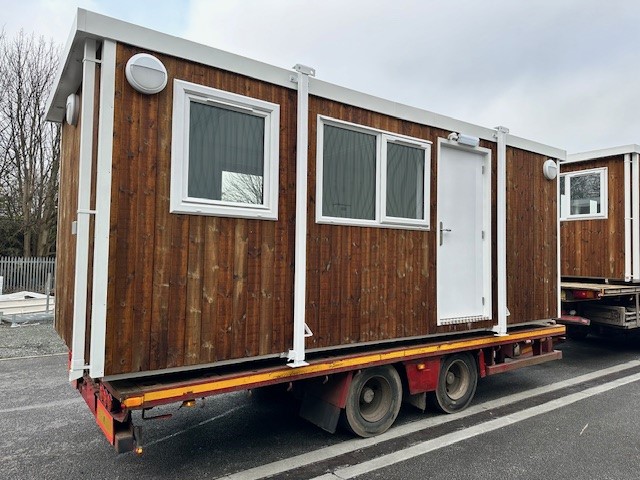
(89,24)
(602,153)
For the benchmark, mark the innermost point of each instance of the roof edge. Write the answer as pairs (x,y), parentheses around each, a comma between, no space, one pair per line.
(88,24)
(601,153)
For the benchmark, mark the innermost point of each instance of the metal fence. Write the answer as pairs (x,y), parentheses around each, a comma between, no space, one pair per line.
(31,274)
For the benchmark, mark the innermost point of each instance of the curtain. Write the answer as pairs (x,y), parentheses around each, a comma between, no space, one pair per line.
(349,173)
(226,154)
(405,181)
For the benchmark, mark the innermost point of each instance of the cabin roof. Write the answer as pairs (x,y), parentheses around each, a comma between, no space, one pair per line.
(601,153)
(92,25)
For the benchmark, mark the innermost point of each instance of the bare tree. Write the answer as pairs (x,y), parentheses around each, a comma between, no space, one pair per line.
(242,188)
(29,146)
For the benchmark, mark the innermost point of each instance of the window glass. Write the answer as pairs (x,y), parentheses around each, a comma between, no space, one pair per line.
(563,198)
(226,154)
(585,194)
(349,173)
(405,181)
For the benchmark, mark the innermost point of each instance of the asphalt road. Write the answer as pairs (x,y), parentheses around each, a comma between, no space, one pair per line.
(576,418)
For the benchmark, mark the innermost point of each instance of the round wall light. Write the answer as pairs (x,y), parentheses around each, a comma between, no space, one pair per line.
(73,109)
(550,169)
(146,73)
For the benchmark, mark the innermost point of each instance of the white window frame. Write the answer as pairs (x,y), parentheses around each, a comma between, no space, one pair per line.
(383,138)
(604,195)
(184,93)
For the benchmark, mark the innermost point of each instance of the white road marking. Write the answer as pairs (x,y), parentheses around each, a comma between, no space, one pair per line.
(455,437)
(57,403)
(491,425)
(33,356)
(204,422)
(322,454)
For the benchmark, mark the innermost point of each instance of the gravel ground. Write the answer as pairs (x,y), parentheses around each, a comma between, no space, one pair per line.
(29,340)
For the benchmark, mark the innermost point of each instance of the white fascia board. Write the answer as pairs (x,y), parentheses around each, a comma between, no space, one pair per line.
(535,147)
(89,24)
(69,74)
(398,110)
(602,153)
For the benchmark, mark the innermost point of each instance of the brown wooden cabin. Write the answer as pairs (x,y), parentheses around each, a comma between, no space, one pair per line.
(599,214)
(417,224)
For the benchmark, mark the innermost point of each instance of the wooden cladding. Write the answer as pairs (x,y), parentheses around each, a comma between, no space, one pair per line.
(595,248)
(66,240)
(532,236)
(189,290)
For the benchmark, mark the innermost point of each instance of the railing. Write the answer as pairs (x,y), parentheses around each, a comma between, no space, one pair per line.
(32,274)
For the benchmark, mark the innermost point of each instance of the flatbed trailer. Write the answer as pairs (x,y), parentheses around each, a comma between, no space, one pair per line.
(367,387)
(599,305)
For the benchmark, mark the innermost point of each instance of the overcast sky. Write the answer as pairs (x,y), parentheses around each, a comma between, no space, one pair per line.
(562,72)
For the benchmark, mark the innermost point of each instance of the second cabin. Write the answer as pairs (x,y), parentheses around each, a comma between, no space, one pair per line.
(600,214)
(215,209)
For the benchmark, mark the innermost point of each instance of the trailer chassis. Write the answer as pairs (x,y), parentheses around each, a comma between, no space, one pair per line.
(366,387)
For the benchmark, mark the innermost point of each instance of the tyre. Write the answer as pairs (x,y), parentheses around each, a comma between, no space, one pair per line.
(373,401)
(457,383)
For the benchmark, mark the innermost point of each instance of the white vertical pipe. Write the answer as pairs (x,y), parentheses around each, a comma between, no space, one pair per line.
(103,210)
(635,216)
(77,364)
(627,217)
(501,224)
(297,354)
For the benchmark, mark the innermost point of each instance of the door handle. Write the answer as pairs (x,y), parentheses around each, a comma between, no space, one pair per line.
(442,230)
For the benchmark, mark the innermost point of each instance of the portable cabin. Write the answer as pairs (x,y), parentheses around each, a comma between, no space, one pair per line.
(600,214)
(214,209)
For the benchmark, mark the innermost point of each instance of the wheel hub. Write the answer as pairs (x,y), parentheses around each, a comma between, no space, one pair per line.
(367,395)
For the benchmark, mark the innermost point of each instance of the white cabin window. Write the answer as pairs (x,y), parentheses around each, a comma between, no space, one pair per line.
(224,158)
(583,194)
(369,177)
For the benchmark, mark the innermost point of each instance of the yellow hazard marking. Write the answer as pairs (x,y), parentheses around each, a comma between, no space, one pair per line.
(105,421)
(338,364)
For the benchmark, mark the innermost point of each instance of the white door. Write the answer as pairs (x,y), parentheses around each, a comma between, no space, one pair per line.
(463,231)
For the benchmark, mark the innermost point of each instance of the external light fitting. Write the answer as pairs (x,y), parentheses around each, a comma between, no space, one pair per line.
(550,169)
(463,139)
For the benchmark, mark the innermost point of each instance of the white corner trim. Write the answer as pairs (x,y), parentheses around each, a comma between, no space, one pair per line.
(627,216)
(558,249)
(635,216)
(297,354)
(103,210)
(501,228)
(78,340)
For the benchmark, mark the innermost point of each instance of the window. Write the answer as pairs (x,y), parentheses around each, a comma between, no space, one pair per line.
(224,158)
(583,194)
(370,177)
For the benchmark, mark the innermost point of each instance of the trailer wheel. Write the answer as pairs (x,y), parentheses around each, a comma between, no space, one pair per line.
(373,401)
(456,383)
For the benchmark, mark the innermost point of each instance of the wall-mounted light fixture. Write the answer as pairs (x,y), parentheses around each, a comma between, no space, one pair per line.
(146,73)
(550,169)
(463,139)
(72,109)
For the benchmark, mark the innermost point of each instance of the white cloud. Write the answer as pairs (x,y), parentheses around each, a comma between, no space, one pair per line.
(561,73)
(550,71)
(51,19)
